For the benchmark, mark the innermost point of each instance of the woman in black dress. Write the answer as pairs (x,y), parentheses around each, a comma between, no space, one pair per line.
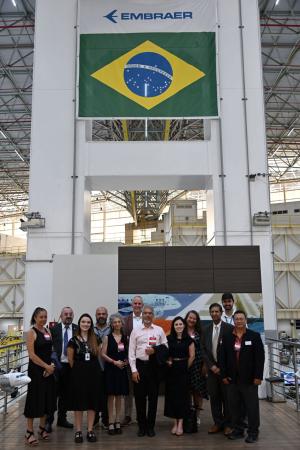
(115,353)
(197,377)
(181,357)
(41,398)
(86,384)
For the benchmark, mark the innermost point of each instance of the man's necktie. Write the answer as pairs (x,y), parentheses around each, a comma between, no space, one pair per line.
(66,339)
(215,342)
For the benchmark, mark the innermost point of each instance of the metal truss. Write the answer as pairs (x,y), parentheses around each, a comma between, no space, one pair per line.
(16,59)
(280,41)
(280,25)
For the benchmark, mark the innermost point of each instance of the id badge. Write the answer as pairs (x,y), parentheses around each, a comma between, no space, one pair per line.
(121,347)
(87,357)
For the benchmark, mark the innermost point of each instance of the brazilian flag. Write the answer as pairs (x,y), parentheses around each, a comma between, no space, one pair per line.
(147,75)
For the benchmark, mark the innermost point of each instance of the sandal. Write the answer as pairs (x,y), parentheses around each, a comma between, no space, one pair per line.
(111,429)
(44,434)
(118,429)
(32,442)
(91,437)
(78,437)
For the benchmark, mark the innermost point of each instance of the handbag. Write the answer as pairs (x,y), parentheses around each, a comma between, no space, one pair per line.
(190,422)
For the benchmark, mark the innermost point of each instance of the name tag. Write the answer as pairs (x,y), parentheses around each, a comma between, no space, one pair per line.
(47,336)
(248,342)
(152,340)
(87,357)
(120,347)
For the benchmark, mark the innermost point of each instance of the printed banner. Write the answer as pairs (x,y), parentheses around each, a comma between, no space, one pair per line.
(168,306)
(121,16)
(124,72)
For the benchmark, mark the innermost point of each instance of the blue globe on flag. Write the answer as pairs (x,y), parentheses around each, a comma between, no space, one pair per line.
(148,74)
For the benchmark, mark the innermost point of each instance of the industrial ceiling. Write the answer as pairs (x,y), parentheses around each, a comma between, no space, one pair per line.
(280,41)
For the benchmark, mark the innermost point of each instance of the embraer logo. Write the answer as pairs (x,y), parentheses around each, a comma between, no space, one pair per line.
(176,15)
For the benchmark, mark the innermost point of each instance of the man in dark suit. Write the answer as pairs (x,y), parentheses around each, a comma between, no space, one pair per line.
(213,336)
(242,363)
(132,321)
(61,334)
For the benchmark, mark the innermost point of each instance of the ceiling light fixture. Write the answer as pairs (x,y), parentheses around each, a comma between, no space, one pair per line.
(290,132)
(14,3)
(277,1)
(4,135)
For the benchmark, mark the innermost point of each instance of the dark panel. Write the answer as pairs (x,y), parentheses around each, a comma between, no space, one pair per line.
(189,258)
(236,257)
(141,258)
(237,280)
(191,280)
(141,281)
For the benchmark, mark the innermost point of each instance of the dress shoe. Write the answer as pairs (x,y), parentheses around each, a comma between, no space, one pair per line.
(91,437)
(64,424)
(227,431)
(151,432)
(214,429)
(126,421)
(78,437)
(251,438)
(48,427)
(235,435)
(141,432)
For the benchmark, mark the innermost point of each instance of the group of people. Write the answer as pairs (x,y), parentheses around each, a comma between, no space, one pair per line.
(91,368)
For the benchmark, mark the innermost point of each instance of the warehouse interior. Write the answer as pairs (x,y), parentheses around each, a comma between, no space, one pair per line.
(160,217)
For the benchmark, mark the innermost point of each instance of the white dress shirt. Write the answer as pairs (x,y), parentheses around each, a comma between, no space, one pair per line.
(228,319)
(63,357)
(137,321)
(142,338)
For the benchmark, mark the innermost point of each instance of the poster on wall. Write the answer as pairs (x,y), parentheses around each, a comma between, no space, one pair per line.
(147,59)
(168,306)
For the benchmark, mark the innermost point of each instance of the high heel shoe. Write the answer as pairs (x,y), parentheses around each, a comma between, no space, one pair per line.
(78,437)
(30,439)
(111,429)
(174,429)
(118,429)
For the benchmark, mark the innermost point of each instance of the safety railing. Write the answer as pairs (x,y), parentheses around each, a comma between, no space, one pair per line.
(283,383)
(13,357)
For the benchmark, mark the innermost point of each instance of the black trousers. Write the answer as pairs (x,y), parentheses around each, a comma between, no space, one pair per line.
(218,400)
(242,396)
(146,389)
(62,390)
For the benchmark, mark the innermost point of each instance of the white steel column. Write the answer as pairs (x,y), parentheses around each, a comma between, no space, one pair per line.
(242,142)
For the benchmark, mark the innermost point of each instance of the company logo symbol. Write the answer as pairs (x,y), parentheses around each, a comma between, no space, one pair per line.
(146,16)
(148,75)
(112,16)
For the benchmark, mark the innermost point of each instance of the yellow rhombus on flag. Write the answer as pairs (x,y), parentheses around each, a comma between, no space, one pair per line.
(112,75)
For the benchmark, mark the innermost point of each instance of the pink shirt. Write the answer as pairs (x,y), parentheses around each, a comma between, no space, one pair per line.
(142,338)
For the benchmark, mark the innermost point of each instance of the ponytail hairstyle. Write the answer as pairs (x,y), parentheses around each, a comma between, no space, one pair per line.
(35,313)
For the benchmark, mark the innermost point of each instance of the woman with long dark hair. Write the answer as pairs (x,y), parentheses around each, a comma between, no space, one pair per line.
(197,378)
(86,386)
(41,398)
(181,357)
(115,353)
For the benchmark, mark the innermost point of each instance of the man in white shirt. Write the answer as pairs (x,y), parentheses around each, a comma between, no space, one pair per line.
(132,321)
(142,347)
(228,307)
